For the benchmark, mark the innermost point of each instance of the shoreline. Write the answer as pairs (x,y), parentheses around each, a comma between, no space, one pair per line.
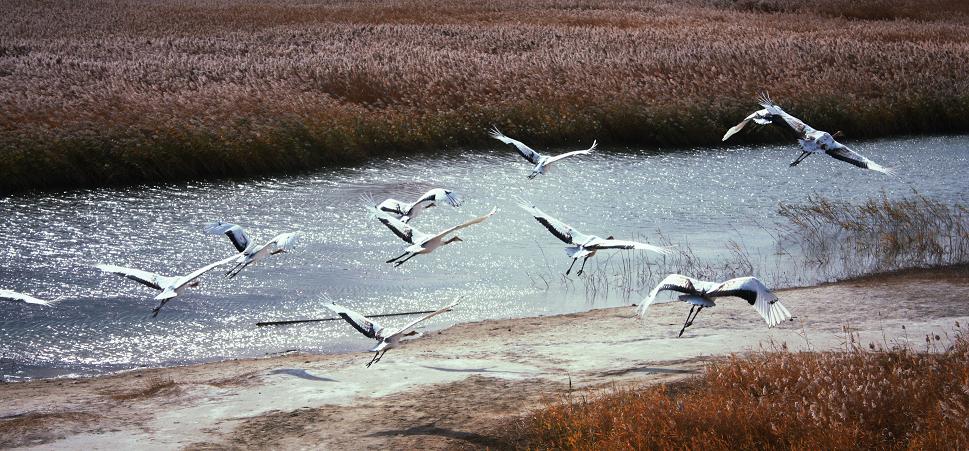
(420,394)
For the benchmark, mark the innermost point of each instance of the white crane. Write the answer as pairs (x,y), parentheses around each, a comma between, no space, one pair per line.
(582,245)
(542,162)
(170,286)
(387,339)
(407,211)
(249,251)
(420,242)
(11,295)
(699,293)
(812,141)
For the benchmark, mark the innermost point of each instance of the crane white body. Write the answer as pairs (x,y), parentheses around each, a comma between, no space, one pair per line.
(249,251)
(405,211)
(582,245)
(542,162)
(387,339)
(170,286)
(420,242)
(811,141)
(703,294)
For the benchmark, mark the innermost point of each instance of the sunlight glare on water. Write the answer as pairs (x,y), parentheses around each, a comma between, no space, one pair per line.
(701,198)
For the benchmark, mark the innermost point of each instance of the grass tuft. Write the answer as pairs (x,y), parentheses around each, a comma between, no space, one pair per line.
(857,398)
(153,386)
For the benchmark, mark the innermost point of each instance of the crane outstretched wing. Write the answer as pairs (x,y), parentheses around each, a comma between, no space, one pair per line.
(561,230)
(574,152)
(439,195)
(401,229)
(845,154)
(407,328)
(759,116)
(25,298)
(467,223)
(284,242)
(358,321)
(779,117)
(623,244)
(525,151)
(756,294)
(150,279)
(186,279)
(235,233)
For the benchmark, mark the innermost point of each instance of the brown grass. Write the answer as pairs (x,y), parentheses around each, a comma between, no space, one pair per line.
(36,428)
(153,386)
(94,93)
(855,399)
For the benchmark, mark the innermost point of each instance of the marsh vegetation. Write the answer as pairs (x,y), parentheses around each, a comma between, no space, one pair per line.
(884,396)
(819,240)
(124,92)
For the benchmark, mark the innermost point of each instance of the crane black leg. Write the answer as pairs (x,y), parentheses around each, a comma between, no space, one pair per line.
(567,271)
(397,257)
(583,265)
(800,158)
(690,323)
(156,310)
(373,360)
(687,322)
(404,260)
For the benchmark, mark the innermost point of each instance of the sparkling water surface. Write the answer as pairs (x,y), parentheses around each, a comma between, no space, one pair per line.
(701,198)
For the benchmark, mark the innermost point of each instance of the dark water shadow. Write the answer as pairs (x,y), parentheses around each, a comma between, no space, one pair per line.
(302,374)
(432,429)
(648,370)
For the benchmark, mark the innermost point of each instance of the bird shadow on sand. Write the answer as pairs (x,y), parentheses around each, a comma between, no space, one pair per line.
(472,370)
(302,374)
(434,430)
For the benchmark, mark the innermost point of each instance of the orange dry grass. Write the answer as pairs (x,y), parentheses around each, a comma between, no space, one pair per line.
(895,399)
(119,92)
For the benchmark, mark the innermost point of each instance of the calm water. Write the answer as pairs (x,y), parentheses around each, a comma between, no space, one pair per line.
(701,198)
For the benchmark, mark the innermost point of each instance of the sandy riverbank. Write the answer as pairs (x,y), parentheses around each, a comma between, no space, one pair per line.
(455,388)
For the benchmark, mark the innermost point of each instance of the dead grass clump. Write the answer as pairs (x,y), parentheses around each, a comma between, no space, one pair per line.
(153,386)
(36,428)
(884,399)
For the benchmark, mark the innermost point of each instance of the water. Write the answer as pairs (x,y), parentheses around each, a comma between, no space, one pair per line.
(701,198)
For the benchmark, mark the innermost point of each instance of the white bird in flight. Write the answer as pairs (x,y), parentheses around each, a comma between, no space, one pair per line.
(812,141)
(542,162)
(11,295)
(699,293)
(420,242)
(249,251)
(407,211)
(387,338)
(582,245)
(170,286)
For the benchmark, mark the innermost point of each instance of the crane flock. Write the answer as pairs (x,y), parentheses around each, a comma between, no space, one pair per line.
(397,217)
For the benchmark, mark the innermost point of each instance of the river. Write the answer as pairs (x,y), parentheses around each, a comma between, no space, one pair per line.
(508,266)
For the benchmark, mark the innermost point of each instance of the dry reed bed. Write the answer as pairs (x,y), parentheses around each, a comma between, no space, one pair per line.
(854,399)
(106,92)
